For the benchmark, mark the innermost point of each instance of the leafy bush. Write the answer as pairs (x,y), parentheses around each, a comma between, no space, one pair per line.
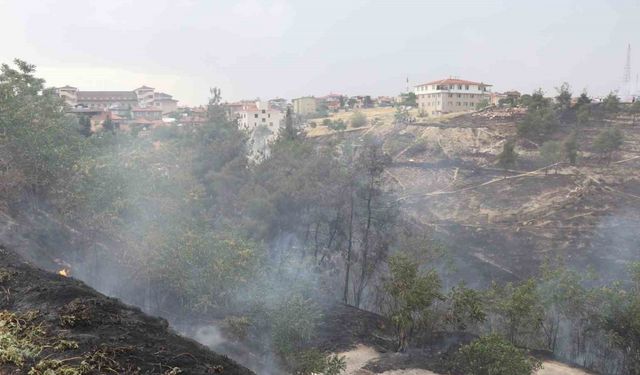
(238,326)
(607,142)
(466,307)
(493,355)
(311,362)
(294,322)
(412,293)
(358,119)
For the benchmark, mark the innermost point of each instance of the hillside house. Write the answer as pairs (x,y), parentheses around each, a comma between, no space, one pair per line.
(450,95)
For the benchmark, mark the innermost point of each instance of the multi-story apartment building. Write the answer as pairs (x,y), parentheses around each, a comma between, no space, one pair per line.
(262,123)
(450,95)
(304,106)
(252,115)
(142,97)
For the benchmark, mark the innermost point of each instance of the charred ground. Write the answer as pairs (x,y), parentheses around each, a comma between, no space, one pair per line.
(56,323)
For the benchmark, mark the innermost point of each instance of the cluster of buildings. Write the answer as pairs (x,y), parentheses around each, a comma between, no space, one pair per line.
(262,120)
(142,106)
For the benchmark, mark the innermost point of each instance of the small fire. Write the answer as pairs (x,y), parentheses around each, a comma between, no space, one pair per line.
(64,272)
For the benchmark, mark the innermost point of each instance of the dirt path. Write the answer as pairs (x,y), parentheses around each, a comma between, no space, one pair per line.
(358,357)
(557,368)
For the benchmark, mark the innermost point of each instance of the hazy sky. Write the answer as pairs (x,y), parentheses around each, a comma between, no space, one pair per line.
(286,48)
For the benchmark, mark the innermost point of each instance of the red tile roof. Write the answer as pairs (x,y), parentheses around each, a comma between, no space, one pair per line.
(454,81)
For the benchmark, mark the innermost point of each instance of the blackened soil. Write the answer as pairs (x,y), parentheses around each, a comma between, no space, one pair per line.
(111,336)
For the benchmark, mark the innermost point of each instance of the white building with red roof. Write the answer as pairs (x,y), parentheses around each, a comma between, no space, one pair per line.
(450,95)
(261,122)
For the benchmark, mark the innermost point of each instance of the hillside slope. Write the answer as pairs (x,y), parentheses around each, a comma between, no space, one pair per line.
(504,225)
(49,322)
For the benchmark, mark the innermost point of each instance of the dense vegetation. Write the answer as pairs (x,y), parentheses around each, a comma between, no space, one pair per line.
(180,222)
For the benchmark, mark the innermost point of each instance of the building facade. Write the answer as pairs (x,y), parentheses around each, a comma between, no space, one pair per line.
(254,115)
(142,97)
(262,123)
(304,106)
(450,95)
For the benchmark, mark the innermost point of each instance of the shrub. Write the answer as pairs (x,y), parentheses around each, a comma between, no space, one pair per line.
(493,355)
(294,322)
(358,119)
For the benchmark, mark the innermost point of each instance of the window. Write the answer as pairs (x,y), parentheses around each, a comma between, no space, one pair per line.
(459,87)
(263,111)
(466,87)
(269,115)
(459,95)
(451,95)
(255,116)
(271,124)
(264,119)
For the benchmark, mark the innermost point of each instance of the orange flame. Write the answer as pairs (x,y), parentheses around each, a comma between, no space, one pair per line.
(64,272)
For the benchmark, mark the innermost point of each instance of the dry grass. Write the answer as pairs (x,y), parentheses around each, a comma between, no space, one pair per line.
(380,116)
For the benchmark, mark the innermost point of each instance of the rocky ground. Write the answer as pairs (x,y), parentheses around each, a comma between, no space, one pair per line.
(52,324)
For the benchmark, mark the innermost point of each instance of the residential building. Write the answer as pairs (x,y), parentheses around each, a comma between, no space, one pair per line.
(142,97)
(150,113)
(279,104)
(450,95)
(333,102)
(385,101)
(256,114)
(262,123)
(304,106)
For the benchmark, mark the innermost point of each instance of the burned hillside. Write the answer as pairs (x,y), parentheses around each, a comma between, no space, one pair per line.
(505,223)
(52,324)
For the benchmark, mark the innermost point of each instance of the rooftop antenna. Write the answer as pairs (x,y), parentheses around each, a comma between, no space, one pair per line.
(408,87)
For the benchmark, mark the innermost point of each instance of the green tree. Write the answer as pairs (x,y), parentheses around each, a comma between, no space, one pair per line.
(85,126)
(635,110)
(294,322)
(611,103)
(552,153)
(411,295)
(484,103)
(492,355)
(607,142)
(466,307)
(583,100)
(518,309)
(107,124)
(583,115)
(508,157)
(39,144)
(538,124)
(289,130)
(570,148)
(565,303)
(563,99)
(401,116)
(535,101)
(358,119)
(621,318)
(409,99)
